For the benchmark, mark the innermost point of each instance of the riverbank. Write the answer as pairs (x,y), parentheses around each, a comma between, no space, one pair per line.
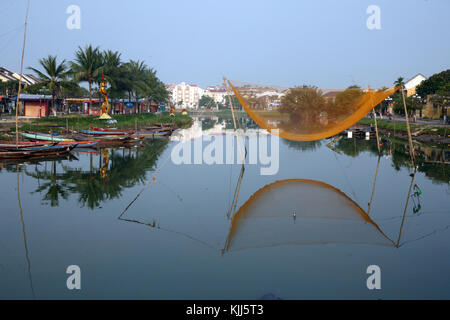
(80,122)
(419,132)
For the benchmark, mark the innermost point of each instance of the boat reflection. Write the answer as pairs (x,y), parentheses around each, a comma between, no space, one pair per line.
(115,171)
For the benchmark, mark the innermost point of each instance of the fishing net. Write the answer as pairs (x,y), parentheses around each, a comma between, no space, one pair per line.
(301,212)
(306,113)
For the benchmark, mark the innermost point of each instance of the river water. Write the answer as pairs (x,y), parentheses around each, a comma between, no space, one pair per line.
(141,226)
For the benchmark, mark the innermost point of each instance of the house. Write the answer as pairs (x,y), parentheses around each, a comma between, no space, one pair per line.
(35,105)
(437,107)
(411,84)
(7,75)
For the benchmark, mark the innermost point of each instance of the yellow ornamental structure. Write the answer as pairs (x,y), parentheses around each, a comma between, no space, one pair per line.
(105,103)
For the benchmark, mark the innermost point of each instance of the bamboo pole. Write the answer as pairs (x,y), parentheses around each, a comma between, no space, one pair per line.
(234,119)
(376,125)
(406,207)
(411,146)
(374,184)
(21,74)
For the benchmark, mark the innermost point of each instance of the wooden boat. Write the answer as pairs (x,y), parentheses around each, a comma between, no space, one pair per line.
(105,133)
(33,136)
(6,144)
(15,154)
(81,144)
(27,152)
(111,130)
(146,133)
(37,159)
(107,140)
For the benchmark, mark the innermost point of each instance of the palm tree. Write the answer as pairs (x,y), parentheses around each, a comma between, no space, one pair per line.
(54,77)
(87,66)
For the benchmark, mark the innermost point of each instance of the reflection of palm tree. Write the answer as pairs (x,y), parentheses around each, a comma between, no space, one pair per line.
(53,187)
(125,171)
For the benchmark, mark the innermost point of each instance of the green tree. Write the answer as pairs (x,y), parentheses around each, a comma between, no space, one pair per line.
(54,78)
(87,66)
(206,101)
(438,83)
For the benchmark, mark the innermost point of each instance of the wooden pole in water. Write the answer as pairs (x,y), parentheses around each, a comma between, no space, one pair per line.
(406,207)
(234,119)
(411,146)
(21,74)
(376,125)
(374,184)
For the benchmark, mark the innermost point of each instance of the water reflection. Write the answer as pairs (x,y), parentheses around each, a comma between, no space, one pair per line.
(296,212)
(301,212)
(117,170)
(433,161)
(25,242)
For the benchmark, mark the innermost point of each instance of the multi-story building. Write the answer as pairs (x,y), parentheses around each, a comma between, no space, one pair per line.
(185,95)
(217,93)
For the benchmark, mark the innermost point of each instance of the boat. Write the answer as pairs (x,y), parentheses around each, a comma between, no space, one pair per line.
(146,133)
(26,152)
(6,144)
(34,136)
(81,144)
(14,154)
(105,133)
(107,140)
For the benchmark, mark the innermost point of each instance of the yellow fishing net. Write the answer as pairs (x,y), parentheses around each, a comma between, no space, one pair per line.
(301,212)
(306,113)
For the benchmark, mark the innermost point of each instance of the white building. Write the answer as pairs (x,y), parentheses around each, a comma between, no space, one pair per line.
(217,93)
(27,79)
(185,95)
(411,84)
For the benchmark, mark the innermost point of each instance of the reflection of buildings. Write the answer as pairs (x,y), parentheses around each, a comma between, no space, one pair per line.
(218,129)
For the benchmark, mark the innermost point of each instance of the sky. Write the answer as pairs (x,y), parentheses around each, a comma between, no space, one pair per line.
(324,43)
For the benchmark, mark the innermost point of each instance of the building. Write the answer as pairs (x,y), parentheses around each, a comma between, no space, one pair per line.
(217,93)
(411,84)
(35,105)
(437,107)
(7,75)
(185,95)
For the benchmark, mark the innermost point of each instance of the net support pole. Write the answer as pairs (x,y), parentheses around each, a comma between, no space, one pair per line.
(21,74)
(411,146)
(234,119)
(376,126)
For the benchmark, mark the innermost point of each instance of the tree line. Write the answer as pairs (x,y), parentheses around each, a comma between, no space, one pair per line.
(132,79)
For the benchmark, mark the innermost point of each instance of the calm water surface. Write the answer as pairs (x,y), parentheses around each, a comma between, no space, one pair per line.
(219,232)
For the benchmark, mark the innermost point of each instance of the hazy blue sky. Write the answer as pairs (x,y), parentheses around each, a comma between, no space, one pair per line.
(286,42)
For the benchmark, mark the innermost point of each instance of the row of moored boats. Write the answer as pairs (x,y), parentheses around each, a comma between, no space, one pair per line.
(43,144)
